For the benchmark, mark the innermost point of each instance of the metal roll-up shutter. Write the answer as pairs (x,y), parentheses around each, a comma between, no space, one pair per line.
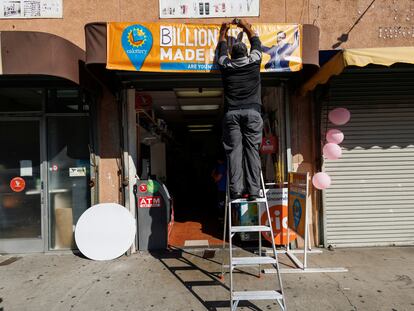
(371,199)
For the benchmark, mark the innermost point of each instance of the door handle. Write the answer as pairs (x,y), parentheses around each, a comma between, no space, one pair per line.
(42,193)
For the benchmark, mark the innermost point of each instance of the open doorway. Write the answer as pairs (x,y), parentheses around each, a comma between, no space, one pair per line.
(179,143)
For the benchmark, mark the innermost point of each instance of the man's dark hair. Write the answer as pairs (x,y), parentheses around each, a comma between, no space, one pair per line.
(238,50)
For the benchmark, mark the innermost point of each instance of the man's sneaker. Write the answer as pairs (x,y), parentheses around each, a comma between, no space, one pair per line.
(253,197)
(236,195)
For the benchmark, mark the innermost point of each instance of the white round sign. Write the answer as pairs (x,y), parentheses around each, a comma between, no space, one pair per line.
(105,231)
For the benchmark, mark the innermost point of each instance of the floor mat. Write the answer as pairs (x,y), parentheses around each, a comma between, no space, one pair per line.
(190,230)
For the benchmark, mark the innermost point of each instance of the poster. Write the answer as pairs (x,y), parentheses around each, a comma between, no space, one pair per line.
(166,47)
(77,171)
(297,211)
(277,200)
(206,9)
(31,9)
(26,168)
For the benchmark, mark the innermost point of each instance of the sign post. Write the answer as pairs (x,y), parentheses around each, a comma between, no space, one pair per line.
(298,215)
(298,211)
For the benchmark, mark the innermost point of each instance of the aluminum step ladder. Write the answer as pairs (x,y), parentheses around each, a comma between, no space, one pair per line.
(234,262)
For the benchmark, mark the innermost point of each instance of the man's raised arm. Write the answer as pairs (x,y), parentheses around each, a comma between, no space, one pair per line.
(223,53)
(255,44)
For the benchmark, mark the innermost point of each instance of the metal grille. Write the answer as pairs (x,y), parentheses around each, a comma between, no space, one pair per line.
(371,199)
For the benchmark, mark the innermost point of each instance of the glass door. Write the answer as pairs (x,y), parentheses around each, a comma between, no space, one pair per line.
(20,186)
(68,176)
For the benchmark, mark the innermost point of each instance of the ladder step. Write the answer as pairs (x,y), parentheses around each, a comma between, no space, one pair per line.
(257,295)
(252,261)
(249,229)
(258,200)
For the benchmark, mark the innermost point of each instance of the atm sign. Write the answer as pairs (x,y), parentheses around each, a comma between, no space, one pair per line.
(149,201)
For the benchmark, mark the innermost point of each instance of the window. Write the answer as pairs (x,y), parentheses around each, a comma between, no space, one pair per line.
(66,100)
(21,99)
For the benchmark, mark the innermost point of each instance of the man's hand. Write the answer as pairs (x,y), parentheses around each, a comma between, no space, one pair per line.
(223,29)
(245,26)
(242,23)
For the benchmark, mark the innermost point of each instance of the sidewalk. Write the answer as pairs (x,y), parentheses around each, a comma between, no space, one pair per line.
(378,279)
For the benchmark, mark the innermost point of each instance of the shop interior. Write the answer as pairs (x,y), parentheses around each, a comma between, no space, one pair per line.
(179,144)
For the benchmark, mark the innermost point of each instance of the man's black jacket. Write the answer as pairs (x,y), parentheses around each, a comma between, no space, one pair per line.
(241,77)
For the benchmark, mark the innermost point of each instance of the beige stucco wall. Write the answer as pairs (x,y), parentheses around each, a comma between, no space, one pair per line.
(385,23)
(108,149)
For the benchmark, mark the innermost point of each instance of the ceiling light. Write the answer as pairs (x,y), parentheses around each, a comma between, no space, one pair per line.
(200,107)
(198,92)
(200,125)
(200,130)
(169,107)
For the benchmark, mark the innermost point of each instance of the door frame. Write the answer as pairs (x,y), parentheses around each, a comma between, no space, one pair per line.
(32,245)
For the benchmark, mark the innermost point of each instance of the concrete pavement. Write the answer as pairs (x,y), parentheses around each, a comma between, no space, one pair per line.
(378,279)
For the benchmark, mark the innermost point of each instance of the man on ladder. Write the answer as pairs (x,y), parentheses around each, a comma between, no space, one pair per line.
(242,135)
(242,123)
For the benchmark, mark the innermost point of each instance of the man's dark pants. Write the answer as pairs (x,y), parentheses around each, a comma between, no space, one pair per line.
(242,135)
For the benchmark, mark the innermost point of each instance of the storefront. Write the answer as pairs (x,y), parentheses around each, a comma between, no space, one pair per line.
(172,125)
(46,142)
(370,201)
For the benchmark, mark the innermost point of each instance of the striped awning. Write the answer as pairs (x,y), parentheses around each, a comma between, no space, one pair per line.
(386,56)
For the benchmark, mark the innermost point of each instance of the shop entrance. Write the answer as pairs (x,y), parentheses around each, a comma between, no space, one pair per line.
(180,141)
(44,168)
(198,219)
(179,135)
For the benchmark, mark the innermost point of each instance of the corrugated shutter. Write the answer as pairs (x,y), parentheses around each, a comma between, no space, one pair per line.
(371,199)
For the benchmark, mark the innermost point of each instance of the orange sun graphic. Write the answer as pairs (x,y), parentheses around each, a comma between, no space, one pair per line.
(138,39)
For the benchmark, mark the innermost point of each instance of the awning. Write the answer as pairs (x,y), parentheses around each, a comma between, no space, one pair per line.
(96,57)
(359,57)
(38,53)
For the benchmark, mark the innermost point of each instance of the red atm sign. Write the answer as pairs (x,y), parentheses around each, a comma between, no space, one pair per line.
(149,201)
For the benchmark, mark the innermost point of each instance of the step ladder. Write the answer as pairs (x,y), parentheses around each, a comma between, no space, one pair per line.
(234,262)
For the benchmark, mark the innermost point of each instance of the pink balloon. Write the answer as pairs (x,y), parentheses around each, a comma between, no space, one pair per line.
(339,116)
(332,151)
(334,136)
(321,180)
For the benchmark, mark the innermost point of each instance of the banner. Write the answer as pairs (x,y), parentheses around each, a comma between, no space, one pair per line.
(165,47)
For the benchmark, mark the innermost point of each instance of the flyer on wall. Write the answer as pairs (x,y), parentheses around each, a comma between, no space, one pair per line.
(210,8)
(31,9)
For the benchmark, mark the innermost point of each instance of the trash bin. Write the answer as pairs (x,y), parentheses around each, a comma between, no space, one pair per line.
(153,211)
